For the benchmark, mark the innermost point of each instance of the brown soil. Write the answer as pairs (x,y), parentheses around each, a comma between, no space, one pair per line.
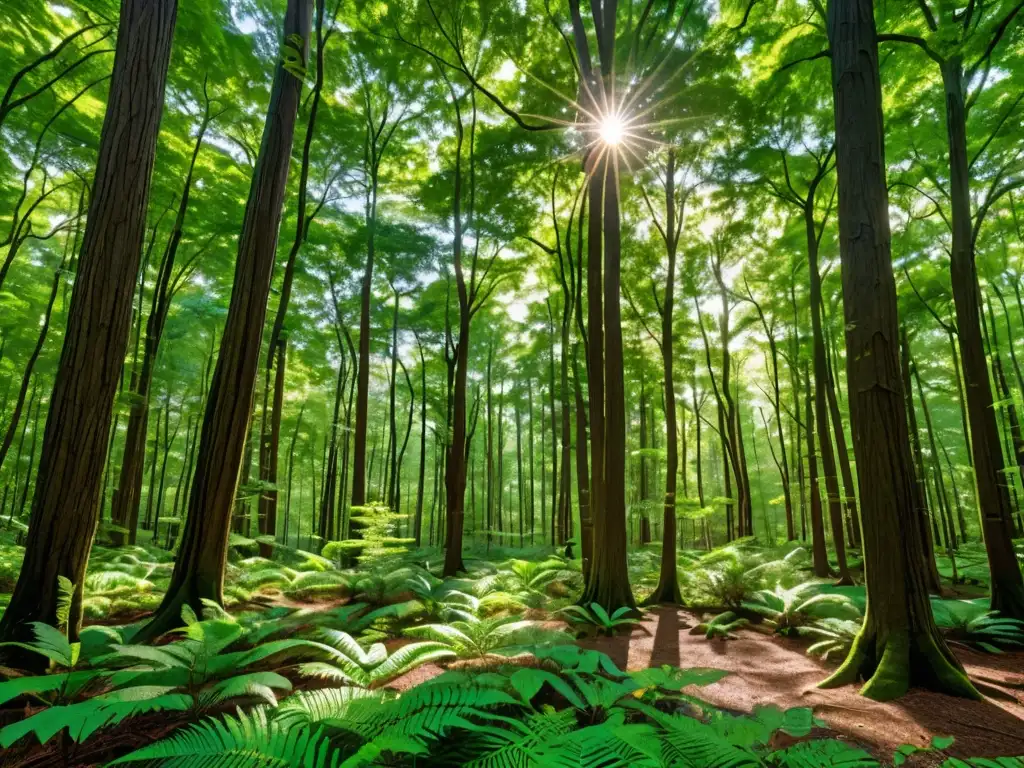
(775,670)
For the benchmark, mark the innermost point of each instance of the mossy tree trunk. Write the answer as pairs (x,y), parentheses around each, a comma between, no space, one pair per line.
(898,645)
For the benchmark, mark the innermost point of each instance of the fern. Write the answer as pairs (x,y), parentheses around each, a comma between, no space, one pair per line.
(785,610)
(596,616)
(85,718)
(244,739)
(480,638)
(821,753)
(66,595)
(351,664)
(323,704)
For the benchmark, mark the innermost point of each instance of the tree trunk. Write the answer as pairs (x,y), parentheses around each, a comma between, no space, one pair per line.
(325,527)
(609,582)
(199,566)
(65,507)
(489,484)
(18,452)
(797,427)
(940,487)
(818,548)
(849,489)
(565,494)
(291,471)
(418,526)
(645,520)
(125,512)
(392,484)
(993,498)
(533,496)
(667,590)
(828,460)
(898,645)
(555,509)
(31,458)
(582,472)
(726,474)
(277,347)
(519,468)
(931,572)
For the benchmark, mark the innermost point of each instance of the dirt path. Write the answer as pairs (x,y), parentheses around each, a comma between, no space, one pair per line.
(774,670)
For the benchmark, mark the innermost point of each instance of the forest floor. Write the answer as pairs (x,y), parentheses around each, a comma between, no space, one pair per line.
(768,669)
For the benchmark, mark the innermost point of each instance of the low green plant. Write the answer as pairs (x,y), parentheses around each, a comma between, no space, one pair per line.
(194,674)
(969,624)
(721,626)
(833,637)
(599,619)
(443,600)
(786,610)
(479,638)
(373,667)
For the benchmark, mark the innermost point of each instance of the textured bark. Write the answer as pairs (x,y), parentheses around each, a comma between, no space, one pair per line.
(992,494)
(898,645)
(609,582)
(595,360)
(199,567)
(65,507)
(699,457)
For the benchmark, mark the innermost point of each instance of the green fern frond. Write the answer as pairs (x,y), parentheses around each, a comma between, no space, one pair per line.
(323,704)
(244,739)
(821,753)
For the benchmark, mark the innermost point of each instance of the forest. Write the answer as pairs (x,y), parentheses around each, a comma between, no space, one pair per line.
(512,383)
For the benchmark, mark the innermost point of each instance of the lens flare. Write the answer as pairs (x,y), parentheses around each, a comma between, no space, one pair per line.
(612,130)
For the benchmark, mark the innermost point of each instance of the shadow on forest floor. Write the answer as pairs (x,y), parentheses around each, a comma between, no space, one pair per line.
(776,670)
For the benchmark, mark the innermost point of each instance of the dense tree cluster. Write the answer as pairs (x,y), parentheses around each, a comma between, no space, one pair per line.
(524,273)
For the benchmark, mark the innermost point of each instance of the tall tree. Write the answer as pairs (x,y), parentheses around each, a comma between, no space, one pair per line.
(65,506)
(898,644)
(199,566)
